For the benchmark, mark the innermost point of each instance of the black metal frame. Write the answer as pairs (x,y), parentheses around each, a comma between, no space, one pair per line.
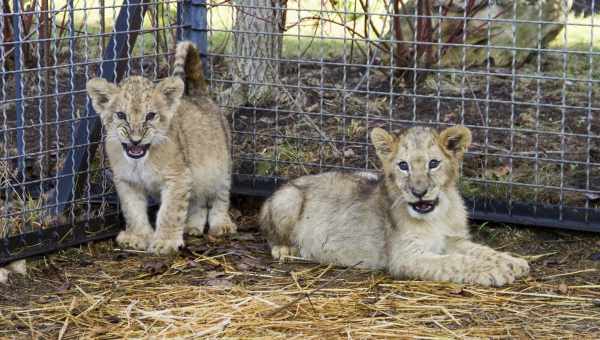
(56,238)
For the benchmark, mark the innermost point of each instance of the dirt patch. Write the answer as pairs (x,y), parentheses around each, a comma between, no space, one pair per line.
(232,288)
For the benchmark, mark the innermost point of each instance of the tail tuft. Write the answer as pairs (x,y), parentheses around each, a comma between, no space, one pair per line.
(188,66)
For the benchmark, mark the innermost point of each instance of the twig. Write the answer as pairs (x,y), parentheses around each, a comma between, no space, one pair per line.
(532,258)
(218,328)
(307,295)
(590,270)
(310,122)
(483,121)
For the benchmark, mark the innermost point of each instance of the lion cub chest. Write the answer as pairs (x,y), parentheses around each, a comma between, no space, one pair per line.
(141,173)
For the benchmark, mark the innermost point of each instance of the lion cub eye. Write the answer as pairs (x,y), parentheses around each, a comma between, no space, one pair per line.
(121,115)
(434,163)
(150,116)
(403,166)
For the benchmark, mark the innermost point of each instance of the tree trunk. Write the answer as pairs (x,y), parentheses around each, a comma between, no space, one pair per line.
(257,44)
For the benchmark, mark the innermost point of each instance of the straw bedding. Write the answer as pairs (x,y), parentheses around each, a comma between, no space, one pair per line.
(231,288)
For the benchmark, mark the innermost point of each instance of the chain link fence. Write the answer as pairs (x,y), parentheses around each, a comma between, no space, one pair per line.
(303,83)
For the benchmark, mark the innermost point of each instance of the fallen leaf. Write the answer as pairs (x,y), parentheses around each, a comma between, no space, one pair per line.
(214,274)
(246,264)
(457,291)
(155,267)
(498,172)
(449,117)
(113,319)
(64,287)
(563,288)
(526,119)
(85,262)
(221,283)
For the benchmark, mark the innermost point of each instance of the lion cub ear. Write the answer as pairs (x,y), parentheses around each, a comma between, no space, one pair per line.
(455,140)
(383,142)
(100,91)
(172,88)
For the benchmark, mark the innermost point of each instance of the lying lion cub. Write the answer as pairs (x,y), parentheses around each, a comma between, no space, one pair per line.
(410,221)
(169,140)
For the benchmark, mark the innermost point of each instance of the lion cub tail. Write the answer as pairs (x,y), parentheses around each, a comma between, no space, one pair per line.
(188,66)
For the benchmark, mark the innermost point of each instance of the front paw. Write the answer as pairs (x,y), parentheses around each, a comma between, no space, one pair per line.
(221,229)
(194,230)
(490,274)
(129,239)
(162,246)
(281,253)
(518,266)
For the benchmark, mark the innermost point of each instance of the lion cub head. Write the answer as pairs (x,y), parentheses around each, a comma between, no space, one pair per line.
(137,112)
(421,165)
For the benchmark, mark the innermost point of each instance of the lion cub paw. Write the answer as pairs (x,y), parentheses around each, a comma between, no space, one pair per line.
(194,230)
(282,252)
(490,275)
(518,266)
(162,246)
(222,229)
(133,240)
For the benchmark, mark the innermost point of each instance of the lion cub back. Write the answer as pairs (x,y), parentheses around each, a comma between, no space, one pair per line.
(332,217)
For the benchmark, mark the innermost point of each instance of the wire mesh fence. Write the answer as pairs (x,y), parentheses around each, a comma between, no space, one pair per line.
(303,83)
(53,170)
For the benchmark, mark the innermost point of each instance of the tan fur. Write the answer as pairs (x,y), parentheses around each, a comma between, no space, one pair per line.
(349,218)
(187,164)
(16,267)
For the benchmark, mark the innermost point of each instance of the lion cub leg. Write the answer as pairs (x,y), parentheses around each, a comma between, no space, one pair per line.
(197,217)
(505,262)
(219,221)
(138,231)
(411,258)
(278,217)
(172,215)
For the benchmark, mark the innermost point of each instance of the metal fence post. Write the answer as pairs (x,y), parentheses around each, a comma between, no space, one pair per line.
(20,111)
(195,29)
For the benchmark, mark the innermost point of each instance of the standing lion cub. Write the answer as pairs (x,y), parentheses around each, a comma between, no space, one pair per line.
(410,221)
(167,140)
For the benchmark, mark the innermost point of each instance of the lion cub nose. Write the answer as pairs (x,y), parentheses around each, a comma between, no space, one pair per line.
(419,193)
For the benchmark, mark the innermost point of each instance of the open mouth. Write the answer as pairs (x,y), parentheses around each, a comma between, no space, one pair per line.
(135,150)
(424,207)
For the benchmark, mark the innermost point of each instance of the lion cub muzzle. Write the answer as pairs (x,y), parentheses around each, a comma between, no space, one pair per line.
(423,198)
(135,150)
(424,207)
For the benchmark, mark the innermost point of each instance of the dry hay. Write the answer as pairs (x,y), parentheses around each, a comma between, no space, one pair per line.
(233,289)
